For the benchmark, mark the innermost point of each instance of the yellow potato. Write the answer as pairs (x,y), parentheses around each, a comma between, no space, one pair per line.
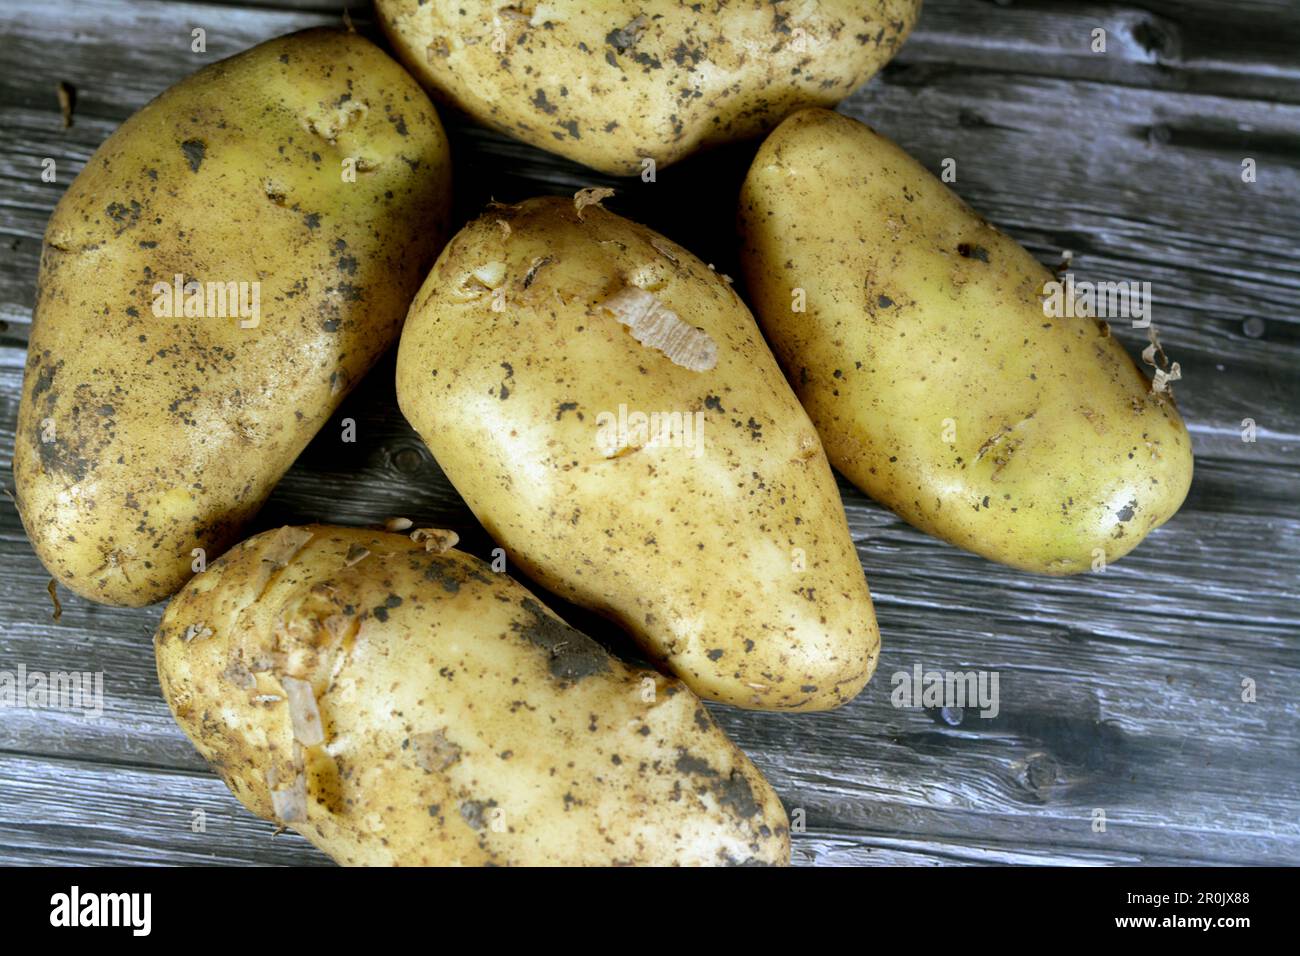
(615,83)
(398,704)
(938,384)
(313,171)
(716,537)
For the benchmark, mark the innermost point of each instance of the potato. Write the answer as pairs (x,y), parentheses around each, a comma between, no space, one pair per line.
(937,382)
(713,532)
(400,704)
(613,84)
(313,170)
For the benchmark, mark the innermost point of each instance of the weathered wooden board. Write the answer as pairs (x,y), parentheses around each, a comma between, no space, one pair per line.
(1121,691)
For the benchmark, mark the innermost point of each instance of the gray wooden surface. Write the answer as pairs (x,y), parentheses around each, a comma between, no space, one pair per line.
(1120,691)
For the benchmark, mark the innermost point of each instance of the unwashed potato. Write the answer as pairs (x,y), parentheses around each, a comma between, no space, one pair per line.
(924,355)
(611,84)
(398,703)
(718,539)
(144,436)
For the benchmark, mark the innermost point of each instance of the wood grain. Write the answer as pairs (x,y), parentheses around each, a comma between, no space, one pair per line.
(1120,691)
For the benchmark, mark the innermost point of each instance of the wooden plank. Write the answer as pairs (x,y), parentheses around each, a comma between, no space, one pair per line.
(98,815)
(1197,47)
(59,812)
(1191,45)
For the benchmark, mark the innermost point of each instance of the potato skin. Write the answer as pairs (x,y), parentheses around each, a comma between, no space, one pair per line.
(462,721)
(610,83)
(696,556)
(169,433)
(918,312)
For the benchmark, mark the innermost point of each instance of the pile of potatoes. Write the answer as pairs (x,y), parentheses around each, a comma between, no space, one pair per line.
(400,702)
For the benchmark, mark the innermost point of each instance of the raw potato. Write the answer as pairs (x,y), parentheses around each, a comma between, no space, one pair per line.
(937,383)
(723,549)
(400,705)
(612,83)
(143,437)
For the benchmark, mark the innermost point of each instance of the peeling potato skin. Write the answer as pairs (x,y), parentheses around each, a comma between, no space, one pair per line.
(171,432)
(609,83)
(694,556)
(464,723)
(919,311)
